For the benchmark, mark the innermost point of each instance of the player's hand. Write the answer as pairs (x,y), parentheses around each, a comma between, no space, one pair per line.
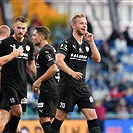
(77,75)
(17,51)
(36,90)
(88,36)
(36,86)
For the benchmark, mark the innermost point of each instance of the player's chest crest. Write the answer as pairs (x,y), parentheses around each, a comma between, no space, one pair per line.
(80,50)
(77,49)
(27,48)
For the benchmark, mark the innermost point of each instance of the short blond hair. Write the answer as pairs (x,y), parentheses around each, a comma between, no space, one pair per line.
(4,30)
(73,20)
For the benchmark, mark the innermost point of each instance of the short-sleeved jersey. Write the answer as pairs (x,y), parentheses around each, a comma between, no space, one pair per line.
(45,59)
(15,70)
(76,56)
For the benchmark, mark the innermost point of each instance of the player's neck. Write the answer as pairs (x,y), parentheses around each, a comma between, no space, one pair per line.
(3,37)
(43,43)
(78,38)
(18,39)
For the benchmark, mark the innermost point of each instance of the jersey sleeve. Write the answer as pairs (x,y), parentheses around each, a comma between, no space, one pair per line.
(89,52)
(88,49)
(31,54)
(3,47)
(63,48)
(49,57)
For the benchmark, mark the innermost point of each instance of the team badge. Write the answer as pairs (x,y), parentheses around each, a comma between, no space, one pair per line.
(80,50)
(27,48)
(91,99)
(87,49)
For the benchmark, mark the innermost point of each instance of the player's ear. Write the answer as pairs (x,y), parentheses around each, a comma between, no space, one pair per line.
(13,26)
(42,37)
(26,29)
(73,25)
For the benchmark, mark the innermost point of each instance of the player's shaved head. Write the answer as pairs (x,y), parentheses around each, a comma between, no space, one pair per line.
(4,31)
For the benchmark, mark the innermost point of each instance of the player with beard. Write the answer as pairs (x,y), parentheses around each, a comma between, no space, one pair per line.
(71,60)
(4,33)
(46,82)
(14,75)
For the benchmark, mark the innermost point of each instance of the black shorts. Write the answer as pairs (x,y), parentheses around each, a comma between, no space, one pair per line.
(47,102)
(10,96)
(7,108)
(70,96)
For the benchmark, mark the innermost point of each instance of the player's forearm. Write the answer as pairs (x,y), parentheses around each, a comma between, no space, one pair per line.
(32,67)
(95,53)
(63,66)
(49,73)
(5,59)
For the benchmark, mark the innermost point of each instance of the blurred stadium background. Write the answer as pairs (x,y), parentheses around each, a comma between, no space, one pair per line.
(111,81)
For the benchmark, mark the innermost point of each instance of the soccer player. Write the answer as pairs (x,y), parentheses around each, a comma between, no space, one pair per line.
(4,33)
(14,75)
(46,82)
(71,60)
